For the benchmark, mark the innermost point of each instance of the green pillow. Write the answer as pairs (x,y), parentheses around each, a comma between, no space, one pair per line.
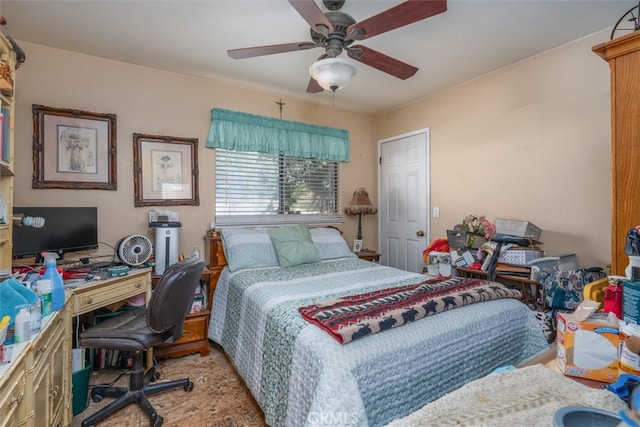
(294,245)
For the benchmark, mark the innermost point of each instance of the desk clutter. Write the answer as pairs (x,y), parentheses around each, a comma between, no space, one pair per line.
(36,292)
(510,251)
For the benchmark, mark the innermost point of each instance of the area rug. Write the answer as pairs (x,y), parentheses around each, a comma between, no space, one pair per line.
(219,397)
(524,397)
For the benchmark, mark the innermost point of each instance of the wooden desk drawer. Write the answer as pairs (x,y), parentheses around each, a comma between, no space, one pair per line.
(195,328)
(91,298)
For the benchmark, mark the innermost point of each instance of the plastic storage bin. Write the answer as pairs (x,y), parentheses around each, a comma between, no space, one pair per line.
(518,228)
(550,264)
(519,256)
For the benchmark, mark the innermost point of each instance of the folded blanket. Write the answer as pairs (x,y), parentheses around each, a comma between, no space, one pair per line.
(528,396)
(12,296)
(352,317)
(23,290)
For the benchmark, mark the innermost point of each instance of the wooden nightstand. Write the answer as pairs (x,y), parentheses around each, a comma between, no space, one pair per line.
(194,339)
(369,255)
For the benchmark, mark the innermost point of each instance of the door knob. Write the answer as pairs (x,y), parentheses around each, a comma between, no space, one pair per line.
(420,233)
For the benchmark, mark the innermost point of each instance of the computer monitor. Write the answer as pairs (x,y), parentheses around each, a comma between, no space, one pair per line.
(66,229)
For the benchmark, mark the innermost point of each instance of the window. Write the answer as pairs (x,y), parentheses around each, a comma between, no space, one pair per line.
(253,188)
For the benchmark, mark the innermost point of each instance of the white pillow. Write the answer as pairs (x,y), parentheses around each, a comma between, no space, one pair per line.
(248,247)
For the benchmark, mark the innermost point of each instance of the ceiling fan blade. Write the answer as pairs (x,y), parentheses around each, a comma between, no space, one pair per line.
(249,52)
(314,86)
(398,16)
(312,13)
(381,61)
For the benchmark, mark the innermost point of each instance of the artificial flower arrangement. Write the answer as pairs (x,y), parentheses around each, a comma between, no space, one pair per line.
(478,225)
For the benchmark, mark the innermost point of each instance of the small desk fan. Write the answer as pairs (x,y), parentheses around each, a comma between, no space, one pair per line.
(134,250)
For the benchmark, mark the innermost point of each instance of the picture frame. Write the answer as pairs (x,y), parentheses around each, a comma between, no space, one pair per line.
(165,170)
(357,245)
(73,149)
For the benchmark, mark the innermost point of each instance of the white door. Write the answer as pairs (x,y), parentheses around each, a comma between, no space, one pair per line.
(404,200)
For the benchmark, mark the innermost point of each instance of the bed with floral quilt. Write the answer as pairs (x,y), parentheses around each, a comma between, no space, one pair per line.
(336,340)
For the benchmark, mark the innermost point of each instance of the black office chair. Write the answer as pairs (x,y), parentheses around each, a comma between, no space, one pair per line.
(140,329)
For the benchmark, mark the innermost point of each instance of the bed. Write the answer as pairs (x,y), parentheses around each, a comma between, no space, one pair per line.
(302,375)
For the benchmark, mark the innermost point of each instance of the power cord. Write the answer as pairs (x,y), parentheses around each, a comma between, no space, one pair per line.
(122,373)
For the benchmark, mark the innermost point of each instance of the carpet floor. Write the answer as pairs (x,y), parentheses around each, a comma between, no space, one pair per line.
(219,397)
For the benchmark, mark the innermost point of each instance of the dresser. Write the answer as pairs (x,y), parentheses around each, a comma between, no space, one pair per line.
(214,257)
(623,56)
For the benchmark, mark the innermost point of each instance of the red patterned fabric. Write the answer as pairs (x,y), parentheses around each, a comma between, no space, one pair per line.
(355,316)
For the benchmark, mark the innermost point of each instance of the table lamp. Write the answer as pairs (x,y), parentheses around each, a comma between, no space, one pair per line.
(360,205)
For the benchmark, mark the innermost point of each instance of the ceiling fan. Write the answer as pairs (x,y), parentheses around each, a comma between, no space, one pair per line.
(335,31)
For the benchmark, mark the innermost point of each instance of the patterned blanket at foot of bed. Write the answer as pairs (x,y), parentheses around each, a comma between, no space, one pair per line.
(355,316)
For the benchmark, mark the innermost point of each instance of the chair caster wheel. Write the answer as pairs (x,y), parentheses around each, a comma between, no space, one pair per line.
(96,398)
(151,375)
(157,421)
(188,387)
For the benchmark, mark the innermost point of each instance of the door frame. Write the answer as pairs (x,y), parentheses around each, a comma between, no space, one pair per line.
(427,134)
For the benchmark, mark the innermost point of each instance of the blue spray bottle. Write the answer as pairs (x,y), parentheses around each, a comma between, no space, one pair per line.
(57,284)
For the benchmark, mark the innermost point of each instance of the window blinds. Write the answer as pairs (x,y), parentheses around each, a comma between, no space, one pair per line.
(254,188)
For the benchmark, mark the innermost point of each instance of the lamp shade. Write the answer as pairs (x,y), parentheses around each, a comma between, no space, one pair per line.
(360,204)
(333,73)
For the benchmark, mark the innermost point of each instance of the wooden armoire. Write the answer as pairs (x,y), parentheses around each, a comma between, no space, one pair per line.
(623,55)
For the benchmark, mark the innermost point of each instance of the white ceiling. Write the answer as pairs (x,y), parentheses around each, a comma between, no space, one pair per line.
(472,38)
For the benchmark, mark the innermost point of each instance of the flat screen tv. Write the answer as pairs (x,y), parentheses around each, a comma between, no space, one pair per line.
(66,229)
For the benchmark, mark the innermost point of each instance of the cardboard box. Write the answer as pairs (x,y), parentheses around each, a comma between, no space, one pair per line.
(588,348)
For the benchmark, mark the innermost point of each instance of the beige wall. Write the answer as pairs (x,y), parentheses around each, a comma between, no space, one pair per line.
(530,141)
(149,101)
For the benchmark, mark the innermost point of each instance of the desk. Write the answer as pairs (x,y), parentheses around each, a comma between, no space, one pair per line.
(529,293)
(91,296)
(101,293)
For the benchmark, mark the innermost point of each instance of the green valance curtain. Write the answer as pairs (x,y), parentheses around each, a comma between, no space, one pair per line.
(232,130)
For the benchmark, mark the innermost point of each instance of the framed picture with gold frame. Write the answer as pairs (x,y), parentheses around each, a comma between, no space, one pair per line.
(165,170)
(73,149)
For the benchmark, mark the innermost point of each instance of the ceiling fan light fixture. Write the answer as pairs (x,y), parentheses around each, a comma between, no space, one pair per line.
(333,73)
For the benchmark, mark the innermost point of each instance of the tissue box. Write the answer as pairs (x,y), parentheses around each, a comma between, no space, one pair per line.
(588,348)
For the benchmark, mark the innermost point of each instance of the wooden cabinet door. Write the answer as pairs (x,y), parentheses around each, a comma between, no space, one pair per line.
(623,55)
(13,400)
(51,374)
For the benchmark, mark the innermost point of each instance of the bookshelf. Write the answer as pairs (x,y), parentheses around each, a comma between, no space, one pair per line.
(7,106)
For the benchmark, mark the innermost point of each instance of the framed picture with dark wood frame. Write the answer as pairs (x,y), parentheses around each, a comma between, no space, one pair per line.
(73,149)
(165,170)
